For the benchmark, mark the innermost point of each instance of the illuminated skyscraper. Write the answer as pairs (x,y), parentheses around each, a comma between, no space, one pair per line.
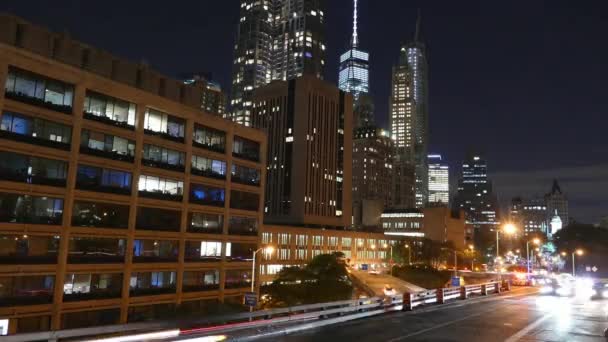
(276,40)
(416,54)
(402,121)
(354,65)
(439,185)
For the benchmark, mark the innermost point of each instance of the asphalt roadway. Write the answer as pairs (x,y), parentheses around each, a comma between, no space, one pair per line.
(519,315)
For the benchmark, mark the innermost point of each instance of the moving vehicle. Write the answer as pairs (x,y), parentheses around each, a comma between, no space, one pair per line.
(558,288)
(600,289)
(389,291)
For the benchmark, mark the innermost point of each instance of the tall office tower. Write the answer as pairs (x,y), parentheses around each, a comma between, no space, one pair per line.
(298,39)
(309,126)
(439,180)
(530,215)
(276,40)
(417,61)
(556,200)
(476,198)
(402,121)
(372,175)
(252,64)
(115,186)
(353,74)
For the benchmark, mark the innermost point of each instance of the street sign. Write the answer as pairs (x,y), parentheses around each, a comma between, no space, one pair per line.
(588,269)
(455,281)
(251,299)
(594,269)
(364,267)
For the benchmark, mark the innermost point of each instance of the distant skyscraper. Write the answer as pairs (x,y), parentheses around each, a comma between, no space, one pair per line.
(309,126)
(530,215)
(276,40)
(402,121)
(416,54)
(213,100)
(439,184)
(475,197)
(354,65)
(556,200)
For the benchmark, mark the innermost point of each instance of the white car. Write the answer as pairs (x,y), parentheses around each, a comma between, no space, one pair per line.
(389,291)
(376,272)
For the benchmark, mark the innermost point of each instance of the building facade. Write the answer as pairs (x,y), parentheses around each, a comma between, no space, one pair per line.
(476,198)
(120,200)
(295,246)
(372,172)
(416,53)
(530,215)
(309,126)
(439,180)
(557,201)
(213,100)
(402,121)
(276,40)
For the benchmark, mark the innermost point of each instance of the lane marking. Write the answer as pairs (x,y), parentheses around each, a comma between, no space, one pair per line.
(518,335)
(434,327)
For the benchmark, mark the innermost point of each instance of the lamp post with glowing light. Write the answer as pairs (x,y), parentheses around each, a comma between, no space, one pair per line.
(536,241)
(472,248)
(508,229)
(268,250)
(578,252)
(409,254)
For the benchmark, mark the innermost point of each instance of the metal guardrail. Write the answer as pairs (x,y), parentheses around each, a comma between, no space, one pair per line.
(240,321)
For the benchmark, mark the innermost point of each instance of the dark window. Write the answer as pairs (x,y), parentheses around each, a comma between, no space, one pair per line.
(34,170)
(38,90)
(237,251)
(109,110)
(101,215)
(243,226)
(244,200)
(91,286)
(103,180)
(245,175)
(209,138)
(206,195)
(203,250)
(26,290)
(158,219)
(30,209)
(83,319)
(151,283)
(207,167)
(205,223)
(158,156)
(246,149)
(141,313)
(28,250)
(106,146)
(36,131)
(164,125)
(155,251)
(89,250)
(201,280)
(236,279)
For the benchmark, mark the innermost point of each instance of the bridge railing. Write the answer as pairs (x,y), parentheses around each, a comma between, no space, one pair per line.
(240,321)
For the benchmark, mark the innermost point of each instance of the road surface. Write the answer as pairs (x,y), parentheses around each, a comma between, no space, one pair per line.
(377,282)
(520,315)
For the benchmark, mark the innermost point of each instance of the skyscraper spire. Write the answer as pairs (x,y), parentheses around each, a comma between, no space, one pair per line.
(355,40)
(418,20)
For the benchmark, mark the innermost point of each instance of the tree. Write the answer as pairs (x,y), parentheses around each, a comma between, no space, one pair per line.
(323,279)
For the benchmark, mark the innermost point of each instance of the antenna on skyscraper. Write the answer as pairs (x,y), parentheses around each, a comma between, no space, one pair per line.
(355,41)
(418,22)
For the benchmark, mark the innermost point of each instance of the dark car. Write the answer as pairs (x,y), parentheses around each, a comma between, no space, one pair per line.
(558,288)
(600,289)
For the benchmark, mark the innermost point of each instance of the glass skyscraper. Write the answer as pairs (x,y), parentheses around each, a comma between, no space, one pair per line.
(439,180)
(354,65)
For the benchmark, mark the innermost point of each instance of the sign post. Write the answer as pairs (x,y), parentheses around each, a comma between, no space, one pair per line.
(251,299)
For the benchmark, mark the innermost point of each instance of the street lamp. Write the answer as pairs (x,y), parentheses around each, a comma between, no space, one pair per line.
(409,254)
(578,252)
(268,250)
(536,241)
(508,229)
(472,248)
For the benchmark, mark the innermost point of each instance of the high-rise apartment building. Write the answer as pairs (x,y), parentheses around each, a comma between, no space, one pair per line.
(557,201)
(353,74)
(309,126)
(439,180)
(213,100)
(276,40)
(372,172)
(416,53)
(476,198)
(120,200)
(402,121)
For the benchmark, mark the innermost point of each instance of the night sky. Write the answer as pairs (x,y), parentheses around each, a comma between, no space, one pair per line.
(522,81)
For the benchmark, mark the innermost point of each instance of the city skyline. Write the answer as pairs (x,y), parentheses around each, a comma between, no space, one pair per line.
(579,165)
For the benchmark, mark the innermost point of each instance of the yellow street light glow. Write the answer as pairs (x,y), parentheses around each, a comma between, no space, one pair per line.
(471,247)
(563,253)
(536,241)
(373,246)
(579,251)
(269,250)
(509,228)
(385,245)
(407,246)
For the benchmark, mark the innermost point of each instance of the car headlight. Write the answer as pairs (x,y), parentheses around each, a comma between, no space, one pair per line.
(546,289)
(605,294)
(563,291)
